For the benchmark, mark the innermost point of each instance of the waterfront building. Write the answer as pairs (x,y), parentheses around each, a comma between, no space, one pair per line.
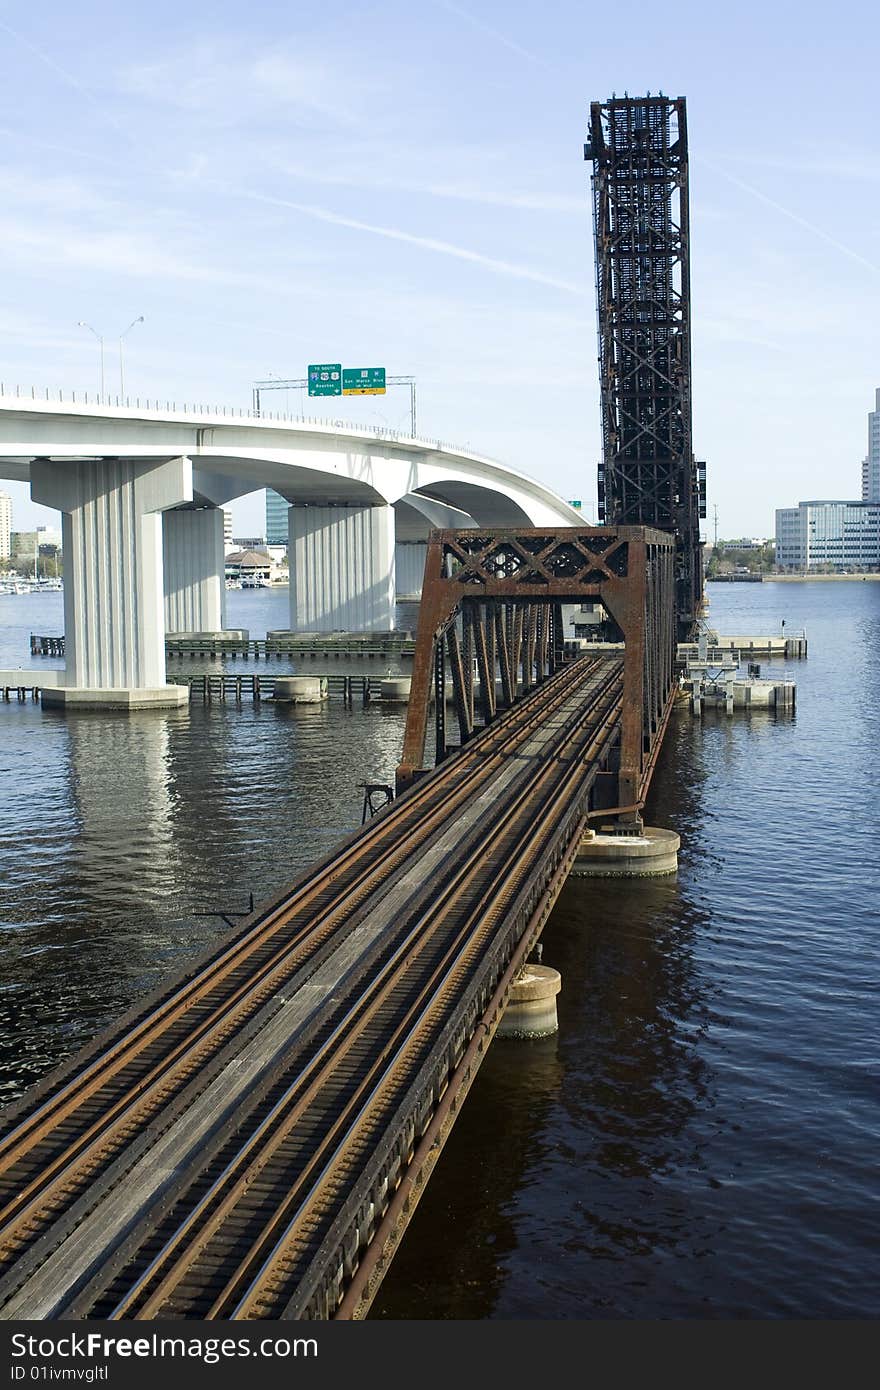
(5,526)
(822,535)
(871,463)
(745,543)
(277,508)
(228,542)
(252,568)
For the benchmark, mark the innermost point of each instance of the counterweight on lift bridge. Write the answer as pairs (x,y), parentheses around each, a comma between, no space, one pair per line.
(648,476)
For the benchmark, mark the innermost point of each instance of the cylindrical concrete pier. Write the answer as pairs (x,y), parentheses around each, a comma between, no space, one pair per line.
(301,690)
(648,855)
(395,688)
(531,1008)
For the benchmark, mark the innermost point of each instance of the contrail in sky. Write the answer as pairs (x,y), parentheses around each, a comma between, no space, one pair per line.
(492,33)
(67,77)
(445,248)
(792,216)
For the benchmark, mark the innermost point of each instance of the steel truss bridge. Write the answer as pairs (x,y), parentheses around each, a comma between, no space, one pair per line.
(251,1141)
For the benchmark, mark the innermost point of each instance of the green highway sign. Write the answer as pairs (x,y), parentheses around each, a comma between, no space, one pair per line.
(325,379)
(363,381)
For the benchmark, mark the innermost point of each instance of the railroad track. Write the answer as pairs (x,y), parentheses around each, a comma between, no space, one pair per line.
(234,1237)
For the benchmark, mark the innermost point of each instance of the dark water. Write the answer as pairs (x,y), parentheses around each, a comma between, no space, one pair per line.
(699,1140)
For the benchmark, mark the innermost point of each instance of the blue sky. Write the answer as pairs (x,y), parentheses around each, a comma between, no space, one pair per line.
(403,185)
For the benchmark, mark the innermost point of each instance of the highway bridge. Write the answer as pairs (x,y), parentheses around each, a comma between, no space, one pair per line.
(252,1140)
(141,485)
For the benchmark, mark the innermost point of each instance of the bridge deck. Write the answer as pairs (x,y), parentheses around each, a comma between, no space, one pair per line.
(233,1147)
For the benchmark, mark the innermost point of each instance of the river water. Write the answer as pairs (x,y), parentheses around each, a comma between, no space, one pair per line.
(700,1138)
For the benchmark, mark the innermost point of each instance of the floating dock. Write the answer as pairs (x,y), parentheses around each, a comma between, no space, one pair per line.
(793,648)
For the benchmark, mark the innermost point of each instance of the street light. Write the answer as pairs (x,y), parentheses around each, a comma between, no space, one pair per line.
(140,319)
(81,323)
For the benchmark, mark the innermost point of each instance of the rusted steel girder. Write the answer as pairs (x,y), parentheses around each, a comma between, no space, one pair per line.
(494,599)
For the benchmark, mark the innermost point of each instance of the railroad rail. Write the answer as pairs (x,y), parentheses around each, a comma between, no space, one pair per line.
(229,1150)
(251,1141)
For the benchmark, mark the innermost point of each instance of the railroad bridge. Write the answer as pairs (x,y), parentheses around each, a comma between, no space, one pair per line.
(251,1141)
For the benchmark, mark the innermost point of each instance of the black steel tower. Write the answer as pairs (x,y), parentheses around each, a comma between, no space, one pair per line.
(648,477)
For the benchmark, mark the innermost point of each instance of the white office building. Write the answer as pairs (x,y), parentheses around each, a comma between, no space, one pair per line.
(871,464)
(820,535)
(5,526)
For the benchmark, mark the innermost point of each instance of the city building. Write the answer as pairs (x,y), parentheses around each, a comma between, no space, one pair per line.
(745,543)
(830,535)
(23,545)
(5,526)
(49,535)
(228,542)
(871,463)
(252,568)
(276,518)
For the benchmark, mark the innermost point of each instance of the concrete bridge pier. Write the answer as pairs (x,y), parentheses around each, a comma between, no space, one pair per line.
(341,567)
(114,618)
(651,853)
(409,567)
(194,570)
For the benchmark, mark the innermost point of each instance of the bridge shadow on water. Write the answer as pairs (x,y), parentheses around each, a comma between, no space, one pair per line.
(560,1191)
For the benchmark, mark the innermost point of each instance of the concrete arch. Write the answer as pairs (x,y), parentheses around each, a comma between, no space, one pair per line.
(487,506)
(415,517)
(350,490)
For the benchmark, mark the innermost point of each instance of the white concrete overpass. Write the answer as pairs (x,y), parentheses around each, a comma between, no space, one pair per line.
(139,489)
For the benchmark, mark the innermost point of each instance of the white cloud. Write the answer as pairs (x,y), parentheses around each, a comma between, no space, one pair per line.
(113,253)
(225,85)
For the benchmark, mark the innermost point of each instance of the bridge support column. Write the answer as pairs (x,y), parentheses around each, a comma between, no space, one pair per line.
(409,568)
(193,559)
(649,855)
(531,1008)
(341,568)
(113,600)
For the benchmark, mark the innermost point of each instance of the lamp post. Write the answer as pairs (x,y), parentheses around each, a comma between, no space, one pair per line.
(139,319)
(81,323)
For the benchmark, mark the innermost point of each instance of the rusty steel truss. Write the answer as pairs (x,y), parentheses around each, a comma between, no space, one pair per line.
(648,476)
(491,621)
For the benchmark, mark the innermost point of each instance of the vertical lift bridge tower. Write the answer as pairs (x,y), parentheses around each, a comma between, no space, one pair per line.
(647,477)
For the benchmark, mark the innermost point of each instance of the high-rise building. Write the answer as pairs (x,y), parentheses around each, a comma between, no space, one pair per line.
(5,526)
(823,535)
(228,543)
(276,517)
(871,464)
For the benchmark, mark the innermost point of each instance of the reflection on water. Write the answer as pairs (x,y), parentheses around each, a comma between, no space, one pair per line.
(707,1149)
(118,834)
(700,1138)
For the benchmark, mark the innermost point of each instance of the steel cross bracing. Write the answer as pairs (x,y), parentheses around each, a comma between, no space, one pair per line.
(251,1140)
(648,476)
(491,620)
